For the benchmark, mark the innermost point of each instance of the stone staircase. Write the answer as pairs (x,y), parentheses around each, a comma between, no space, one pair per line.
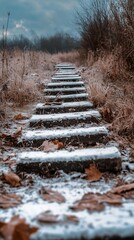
(67,116)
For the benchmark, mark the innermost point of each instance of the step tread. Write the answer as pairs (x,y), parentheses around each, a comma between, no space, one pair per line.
(74,115)
(65,73)
(50,134)
(65,84)
(64,78)
(66,104)
(68,96)
(65,89)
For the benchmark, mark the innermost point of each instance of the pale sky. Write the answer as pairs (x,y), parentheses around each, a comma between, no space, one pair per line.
(44,17)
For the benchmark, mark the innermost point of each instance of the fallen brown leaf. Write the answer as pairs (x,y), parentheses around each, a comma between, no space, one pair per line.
(12,179)
(47,218)
(20,116)
(16,229)
(93,174)
(60,145)
(127,190)
(96,202)
(48,146)
(72,218)
(51,196)
(9,200)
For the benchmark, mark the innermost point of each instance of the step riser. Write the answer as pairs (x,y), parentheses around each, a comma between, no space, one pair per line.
(65,80)
(66,76)
(49,169)
(47,92)
(65,73)
(48,163)
(69,99)
(65,86)
(65,68)
(52,110)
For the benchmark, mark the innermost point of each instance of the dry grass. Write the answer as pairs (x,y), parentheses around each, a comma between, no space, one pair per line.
(25,73)
(111,89)
(71,57)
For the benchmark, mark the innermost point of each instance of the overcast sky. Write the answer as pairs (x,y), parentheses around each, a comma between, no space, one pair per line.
(44,17)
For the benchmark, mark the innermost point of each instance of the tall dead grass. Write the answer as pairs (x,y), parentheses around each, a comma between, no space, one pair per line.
(111,88)
(26,72)
(107,25)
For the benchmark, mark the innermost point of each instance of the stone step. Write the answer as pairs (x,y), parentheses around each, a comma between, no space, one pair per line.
(65,72)
(38,162)
(66,78)
(65,119)
(67,98)
(65,84)
(65,90)
(63,107)
(65,66)
(74,136)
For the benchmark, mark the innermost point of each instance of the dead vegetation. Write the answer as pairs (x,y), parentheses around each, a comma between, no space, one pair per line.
(26,72)
(107,50)
(112,91)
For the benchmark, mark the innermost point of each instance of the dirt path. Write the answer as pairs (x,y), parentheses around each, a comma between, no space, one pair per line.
(69,169)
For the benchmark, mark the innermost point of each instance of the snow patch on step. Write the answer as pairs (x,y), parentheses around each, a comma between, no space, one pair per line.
(80,155)
(66,78)
(65,89)
(65,105)
(69,96)
(50,134)
(66,116)
(65,84)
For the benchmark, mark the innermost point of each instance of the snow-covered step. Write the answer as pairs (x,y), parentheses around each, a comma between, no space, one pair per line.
(75,136)
(65,72)
(106,159)
(65,84)
(65,119)
(65,66)
(42,108)
(65,90)
(67,98)
(66,78)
